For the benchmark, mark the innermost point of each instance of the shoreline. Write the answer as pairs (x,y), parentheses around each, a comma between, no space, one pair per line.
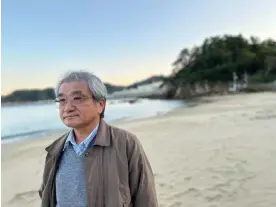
(192,98)
(9,139)
(191,102)
(220,153)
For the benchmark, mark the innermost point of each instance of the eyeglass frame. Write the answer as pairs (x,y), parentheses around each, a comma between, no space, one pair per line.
(82,99)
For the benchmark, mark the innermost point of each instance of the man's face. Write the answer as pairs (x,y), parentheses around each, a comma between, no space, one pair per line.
(77,107)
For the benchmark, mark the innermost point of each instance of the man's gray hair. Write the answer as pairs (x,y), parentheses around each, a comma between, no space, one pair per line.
(95,85)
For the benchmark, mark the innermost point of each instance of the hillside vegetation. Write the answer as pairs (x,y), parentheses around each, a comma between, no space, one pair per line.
(219,56)
(44,94)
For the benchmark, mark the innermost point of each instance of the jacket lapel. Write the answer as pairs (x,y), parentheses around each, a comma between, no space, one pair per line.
(54,150)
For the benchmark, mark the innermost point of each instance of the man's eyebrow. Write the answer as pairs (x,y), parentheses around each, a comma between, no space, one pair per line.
(77,92)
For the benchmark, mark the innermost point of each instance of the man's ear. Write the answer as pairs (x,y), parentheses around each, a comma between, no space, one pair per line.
(102,103)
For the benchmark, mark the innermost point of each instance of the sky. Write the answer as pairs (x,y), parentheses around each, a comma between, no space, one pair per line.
(119,41)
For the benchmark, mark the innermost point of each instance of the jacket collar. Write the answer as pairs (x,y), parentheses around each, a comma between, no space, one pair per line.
(102,139)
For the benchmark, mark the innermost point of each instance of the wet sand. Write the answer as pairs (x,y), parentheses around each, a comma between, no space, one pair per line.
(218,154)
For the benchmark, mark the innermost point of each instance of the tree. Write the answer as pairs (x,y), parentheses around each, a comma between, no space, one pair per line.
(219,56)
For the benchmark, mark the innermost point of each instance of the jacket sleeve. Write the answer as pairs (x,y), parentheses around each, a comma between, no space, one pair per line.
(141,178)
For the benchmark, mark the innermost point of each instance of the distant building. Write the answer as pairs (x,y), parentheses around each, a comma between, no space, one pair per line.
(146,90)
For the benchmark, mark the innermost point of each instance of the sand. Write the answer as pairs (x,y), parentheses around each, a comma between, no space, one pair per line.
(217,154)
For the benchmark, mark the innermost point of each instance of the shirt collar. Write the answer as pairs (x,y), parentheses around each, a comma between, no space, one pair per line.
(86,141)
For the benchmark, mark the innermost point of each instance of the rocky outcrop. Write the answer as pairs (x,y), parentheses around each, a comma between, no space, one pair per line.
(200,89)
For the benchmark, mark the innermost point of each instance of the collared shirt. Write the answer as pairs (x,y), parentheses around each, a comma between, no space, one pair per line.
(80,148)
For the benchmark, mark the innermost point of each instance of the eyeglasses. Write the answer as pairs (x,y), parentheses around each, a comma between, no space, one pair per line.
(75,101)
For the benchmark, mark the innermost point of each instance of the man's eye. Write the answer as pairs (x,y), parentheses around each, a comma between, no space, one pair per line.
(61,100)
(77,98)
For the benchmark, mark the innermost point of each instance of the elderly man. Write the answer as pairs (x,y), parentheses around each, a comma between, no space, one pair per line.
(94,164)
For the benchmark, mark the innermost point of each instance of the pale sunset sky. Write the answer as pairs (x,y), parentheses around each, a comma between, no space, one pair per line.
(120,41)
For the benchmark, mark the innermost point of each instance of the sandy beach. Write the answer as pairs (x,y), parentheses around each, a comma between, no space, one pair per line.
(218,154)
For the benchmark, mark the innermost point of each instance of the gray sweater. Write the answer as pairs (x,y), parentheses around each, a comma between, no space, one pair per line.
(70,181)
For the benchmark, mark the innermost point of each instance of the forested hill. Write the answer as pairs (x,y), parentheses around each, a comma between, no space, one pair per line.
(219,56)
(44,94)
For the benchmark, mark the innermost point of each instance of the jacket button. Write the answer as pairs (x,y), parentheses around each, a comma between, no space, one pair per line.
(86,154)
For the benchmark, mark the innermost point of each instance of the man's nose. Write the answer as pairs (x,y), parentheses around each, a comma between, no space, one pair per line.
(69,107)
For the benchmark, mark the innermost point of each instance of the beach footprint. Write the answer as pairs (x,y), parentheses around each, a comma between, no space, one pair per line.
(24,197)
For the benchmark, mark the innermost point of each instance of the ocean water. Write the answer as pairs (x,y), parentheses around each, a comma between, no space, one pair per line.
(26,121)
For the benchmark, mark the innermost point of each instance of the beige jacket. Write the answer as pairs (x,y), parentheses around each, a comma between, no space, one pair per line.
(118,173)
